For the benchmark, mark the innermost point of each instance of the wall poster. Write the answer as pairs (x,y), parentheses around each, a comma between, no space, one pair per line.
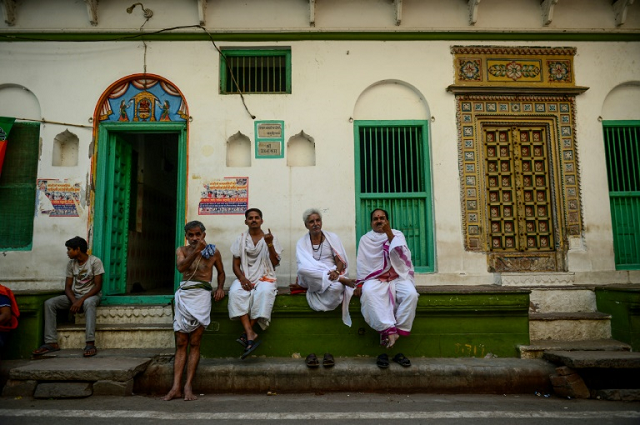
(58,198)
(229,195)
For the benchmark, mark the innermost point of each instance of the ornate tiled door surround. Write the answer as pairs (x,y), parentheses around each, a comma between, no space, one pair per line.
(518,165)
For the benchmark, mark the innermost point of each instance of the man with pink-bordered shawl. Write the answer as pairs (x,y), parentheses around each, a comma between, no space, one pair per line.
(386,280)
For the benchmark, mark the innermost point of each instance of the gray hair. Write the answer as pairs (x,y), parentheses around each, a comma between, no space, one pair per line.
(190,225)
(307,213)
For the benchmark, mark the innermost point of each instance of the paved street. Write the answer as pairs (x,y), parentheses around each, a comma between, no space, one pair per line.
(334,408)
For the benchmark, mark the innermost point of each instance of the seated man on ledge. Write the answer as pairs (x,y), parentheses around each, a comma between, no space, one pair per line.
(251,296)
(386,283)
(323,267)
(82,292)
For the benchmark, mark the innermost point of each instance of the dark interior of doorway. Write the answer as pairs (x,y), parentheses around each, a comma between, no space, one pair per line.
(152,213)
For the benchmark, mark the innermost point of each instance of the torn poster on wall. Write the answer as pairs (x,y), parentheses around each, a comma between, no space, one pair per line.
(229,195)
(58,198)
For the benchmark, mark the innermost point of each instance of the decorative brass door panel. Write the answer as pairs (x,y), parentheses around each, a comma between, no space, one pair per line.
(520,194)
(518,188)
(517,151)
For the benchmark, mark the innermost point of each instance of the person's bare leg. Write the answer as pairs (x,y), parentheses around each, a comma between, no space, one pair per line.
(192,365)
(247,324)
(179,360)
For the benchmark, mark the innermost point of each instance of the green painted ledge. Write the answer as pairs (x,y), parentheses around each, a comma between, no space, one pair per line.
(622,302)
(30,331)
(450,322)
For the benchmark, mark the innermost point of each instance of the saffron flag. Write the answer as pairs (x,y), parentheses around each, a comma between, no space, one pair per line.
(5,127)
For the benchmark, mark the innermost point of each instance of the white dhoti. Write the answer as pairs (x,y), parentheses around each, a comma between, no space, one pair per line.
(257,303)
(257,268)
(389,305)
(192,307)
(389,296)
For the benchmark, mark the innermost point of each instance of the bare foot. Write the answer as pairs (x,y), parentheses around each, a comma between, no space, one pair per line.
(174,393)
(392,340)
(189,395)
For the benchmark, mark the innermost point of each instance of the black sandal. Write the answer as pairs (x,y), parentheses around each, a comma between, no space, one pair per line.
(251,345)
(402,360)
(383,361)
(312,361)
(242,340)
(328,360)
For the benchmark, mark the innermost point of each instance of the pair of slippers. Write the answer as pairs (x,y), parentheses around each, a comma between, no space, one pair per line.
(312,361)
(383,360)
(89,350)
(249,345)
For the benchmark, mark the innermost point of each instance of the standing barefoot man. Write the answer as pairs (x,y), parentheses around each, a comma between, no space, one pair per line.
(193,303)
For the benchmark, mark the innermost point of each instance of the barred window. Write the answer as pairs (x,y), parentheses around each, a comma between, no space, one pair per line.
(266,71)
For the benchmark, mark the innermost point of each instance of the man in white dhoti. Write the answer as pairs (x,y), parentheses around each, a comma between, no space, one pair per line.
(251,296)
(193,303)
(322,272)
(385,281)
(323,266)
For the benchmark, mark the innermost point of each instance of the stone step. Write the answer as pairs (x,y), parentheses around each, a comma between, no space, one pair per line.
(118,336)
(569,326)
(123,314)
(66,374)
(594,359)
(562,300)
(536,349)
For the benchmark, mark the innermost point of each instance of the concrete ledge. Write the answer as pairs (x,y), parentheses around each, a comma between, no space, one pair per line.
(426,375)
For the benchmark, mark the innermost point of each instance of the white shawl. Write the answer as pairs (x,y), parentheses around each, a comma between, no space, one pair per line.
(306,262)
(261,266)
(376,256)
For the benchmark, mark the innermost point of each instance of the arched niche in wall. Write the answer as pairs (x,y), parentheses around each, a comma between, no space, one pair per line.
(65,150)
(238,151)
(19,102)
(391,100)
(622,103)
(301,151)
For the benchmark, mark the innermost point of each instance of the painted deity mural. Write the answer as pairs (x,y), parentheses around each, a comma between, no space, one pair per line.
(143,100)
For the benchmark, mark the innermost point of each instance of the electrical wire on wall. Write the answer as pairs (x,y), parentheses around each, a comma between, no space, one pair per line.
(148,14)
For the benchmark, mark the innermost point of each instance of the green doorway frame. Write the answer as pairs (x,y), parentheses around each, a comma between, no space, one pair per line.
(107,133)
(411,210)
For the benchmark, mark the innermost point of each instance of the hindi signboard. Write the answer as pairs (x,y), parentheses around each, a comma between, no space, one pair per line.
(269,139)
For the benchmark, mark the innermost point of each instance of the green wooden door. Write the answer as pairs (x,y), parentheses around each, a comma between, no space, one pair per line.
(110,225)
(622,148)
(393,173)
(117,216)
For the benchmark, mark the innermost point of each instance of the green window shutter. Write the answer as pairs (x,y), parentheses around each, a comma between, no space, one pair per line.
(18,186)
(264,71)
(392,173)
(622,150)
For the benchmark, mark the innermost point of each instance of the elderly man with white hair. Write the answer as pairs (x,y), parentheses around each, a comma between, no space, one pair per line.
(322,265)
(322,271)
